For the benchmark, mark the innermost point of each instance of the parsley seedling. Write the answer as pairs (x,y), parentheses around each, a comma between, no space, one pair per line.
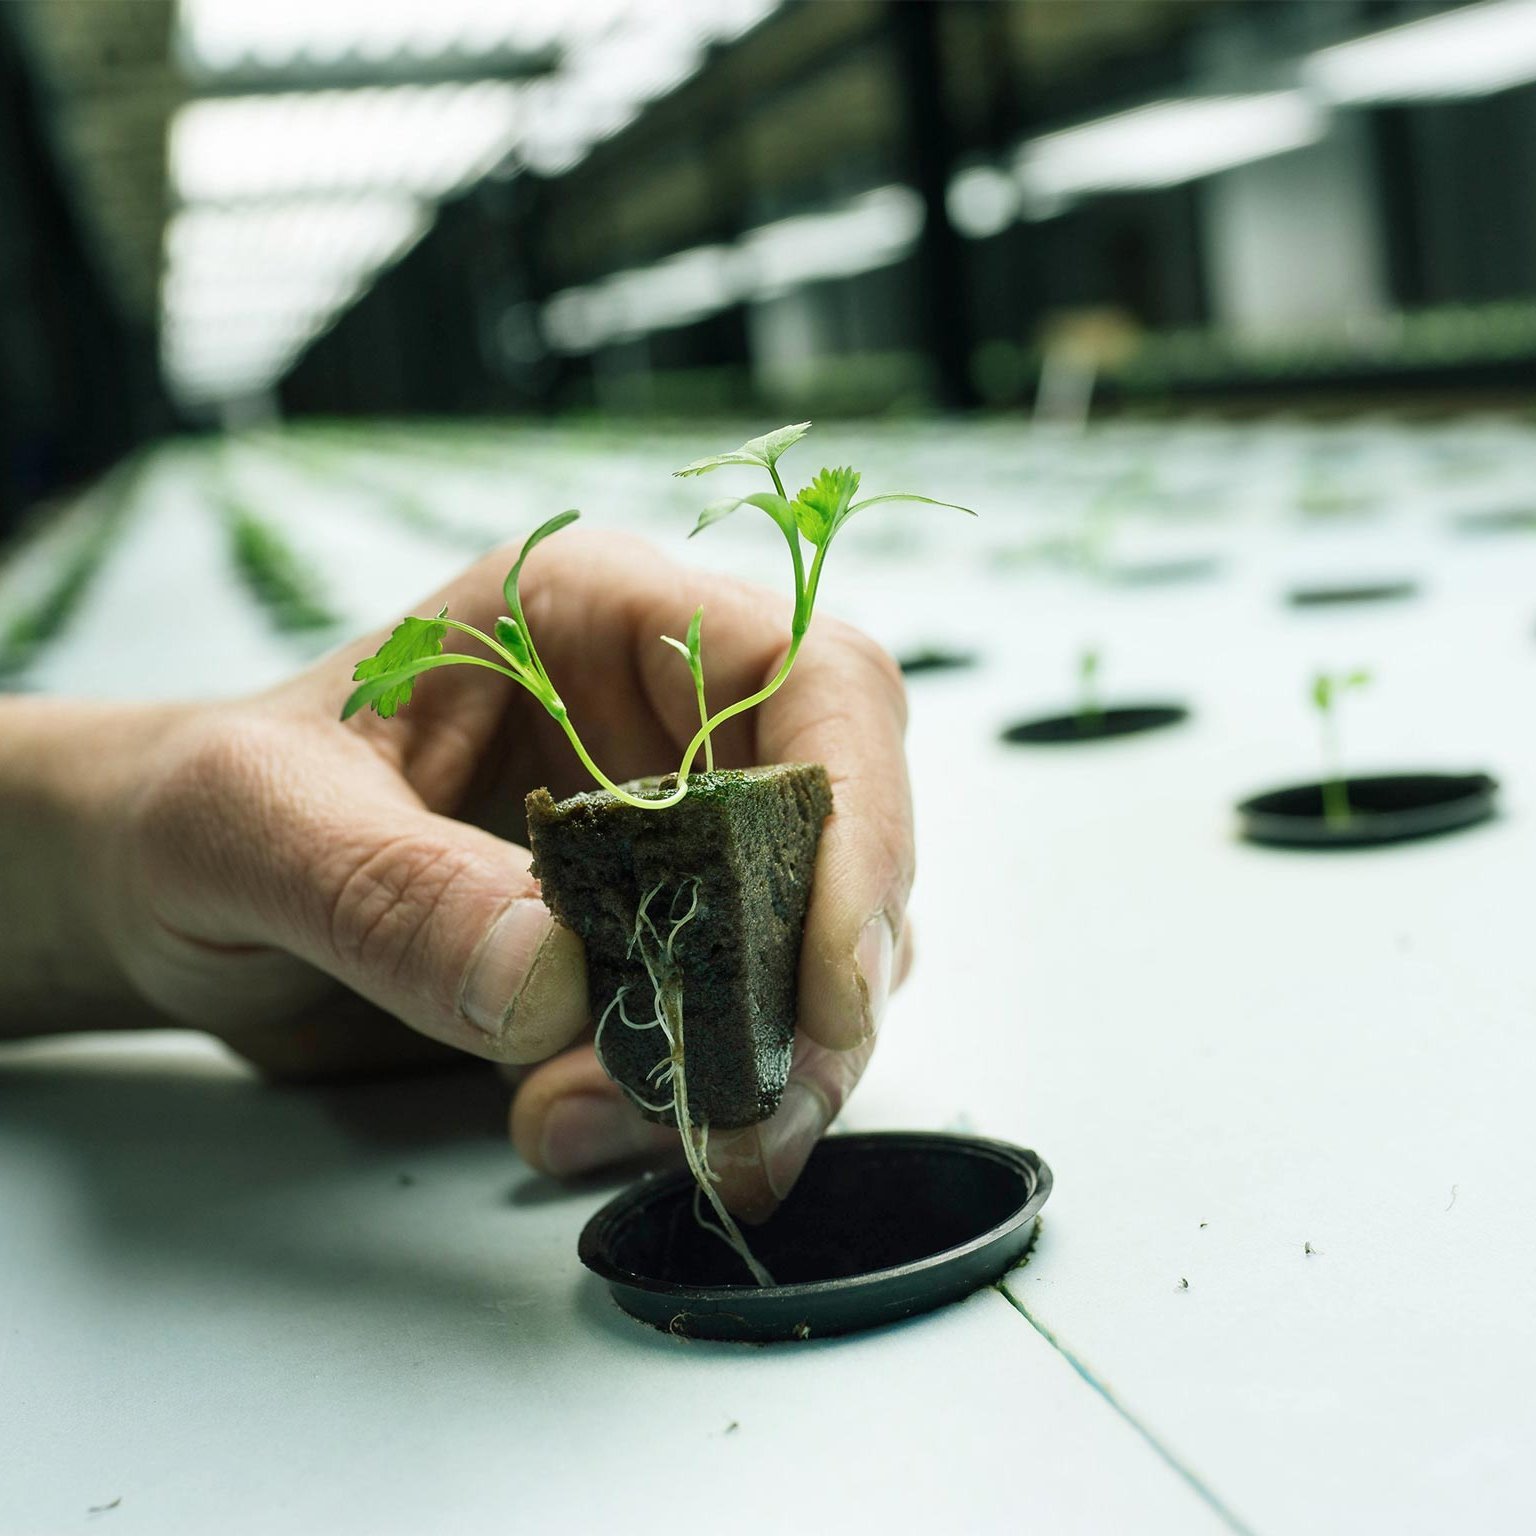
(1090,712)
(809,522)
(1326,689)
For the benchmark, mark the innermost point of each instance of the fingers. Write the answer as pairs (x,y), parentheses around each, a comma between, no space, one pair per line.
(258,835)
(569,1117)
(849,712)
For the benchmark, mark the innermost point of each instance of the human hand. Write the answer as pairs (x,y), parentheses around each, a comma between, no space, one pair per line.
(270,852)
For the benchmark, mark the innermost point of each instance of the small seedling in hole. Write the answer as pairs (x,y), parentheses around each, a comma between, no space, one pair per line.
(1326,690)
(809,522)
(1089,711)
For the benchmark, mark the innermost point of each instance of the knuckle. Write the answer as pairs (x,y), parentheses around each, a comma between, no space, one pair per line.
(386,899)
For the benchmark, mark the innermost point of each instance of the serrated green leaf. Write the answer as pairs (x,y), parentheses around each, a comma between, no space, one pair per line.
(768,501)
(764,451)
(411,641)
(822,506)
(539,534)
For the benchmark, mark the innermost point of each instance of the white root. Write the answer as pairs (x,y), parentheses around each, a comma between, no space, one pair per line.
(658,955)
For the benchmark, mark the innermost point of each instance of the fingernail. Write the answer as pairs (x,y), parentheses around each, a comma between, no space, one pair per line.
(872,956)
(787,1139)
(504,964)
(586,1130)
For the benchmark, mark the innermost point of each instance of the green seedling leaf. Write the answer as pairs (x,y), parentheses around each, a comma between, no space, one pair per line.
(764,451)
(927,501)
(387,675)
(691,650)
(510,634)
(693,653)
(768,501)
(377,688)
(537,537)
(822,507)
(1327,686)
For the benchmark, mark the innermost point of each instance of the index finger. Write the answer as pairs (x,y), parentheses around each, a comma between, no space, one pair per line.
(845,707)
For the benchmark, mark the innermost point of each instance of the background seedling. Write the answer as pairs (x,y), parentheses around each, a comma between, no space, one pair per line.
(1326,689)
(1089,710)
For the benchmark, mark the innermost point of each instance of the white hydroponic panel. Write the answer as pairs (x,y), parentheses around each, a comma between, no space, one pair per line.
(222,1303)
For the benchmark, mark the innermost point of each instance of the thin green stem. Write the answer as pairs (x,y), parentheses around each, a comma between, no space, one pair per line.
(709,746)
(1336,808)
(792,541)
(730,712)
(616,790)
(483,638)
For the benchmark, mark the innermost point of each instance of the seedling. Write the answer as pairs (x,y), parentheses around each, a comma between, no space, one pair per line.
(1326,690)
(1089,711)
(809,522)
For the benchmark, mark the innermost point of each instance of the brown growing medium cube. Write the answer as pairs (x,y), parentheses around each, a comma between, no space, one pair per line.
(749,839)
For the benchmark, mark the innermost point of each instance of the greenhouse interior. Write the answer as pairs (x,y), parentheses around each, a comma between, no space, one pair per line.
(422,1090)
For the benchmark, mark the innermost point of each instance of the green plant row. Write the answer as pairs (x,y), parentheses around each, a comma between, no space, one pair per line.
(273,572)
(47,616)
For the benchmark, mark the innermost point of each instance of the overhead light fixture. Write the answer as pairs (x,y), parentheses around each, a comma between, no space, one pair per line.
(307,235)
(873,230)
(1164,144)
(425,140)
(982,201)
(246,287)
(224,35)
(1471,51)
(227,34)
(870,231)
(293,199)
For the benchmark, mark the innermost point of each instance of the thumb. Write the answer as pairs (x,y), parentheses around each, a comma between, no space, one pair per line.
(440,924)
(437,922)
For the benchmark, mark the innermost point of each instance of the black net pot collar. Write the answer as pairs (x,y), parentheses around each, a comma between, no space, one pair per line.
(1346,594)
(1383,809)
(1093,725)
(936,658)
(880,1227)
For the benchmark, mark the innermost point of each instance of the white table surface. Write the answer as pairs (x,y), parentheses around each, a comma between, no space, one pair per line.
(235,1308)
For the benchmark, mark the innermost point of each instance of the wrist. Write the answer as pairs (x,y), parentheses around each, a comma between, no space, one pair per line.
(67,775)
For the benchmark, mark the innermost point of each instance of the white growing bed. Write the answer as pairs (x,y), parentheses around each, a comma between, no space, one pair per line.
(221,1304)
